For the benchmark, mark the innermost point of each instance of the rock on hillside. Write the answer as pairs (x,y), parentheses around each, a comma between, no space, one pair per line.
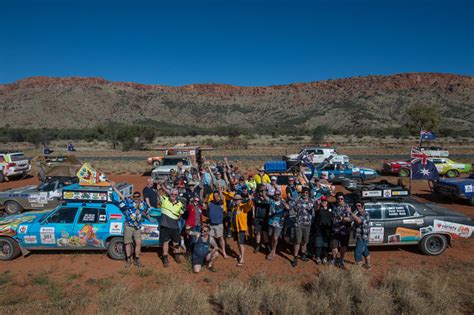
(359,102)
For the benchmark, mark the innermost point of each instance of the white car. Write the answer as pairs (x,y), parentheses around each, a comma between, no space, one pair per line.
(13,164)
(171,162)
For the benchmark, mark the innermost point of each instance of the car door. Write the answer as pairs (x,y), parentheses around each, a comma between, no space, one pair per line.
(402,222)
(55,228)
(91,227)
(377,233)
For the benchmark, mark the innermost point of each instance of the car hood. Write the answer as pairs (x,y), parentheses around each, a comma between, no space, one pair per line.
(438,210)
(9,224)
(21,190)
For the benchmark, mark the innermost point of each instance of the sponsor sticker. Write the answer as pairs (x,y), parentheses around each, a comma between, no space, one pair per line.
(116,228)
(372,193)
(426,230)
(88,217)
(114,216)
(413,221)
(30,239)
(400,193)
(394,239)
(150,232)
(468,188)
(376,235)
(407,235)
(47,235)
(22,229)
(452,228)
(387,193)
(102,217)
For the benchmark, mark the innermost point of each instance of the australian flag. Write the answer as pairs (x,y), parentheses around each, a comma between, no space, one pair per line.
(421,167)
(427,135)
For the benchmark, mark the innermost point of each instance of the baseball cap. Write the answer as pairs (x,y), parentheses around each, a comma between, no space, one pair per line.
(324,198)
(273,178)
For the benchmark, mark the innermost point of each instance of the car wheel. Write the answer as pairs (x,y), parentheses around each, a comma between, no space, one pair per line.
(9,248)
(404,173)
(156,163)
(13,207)
(452,173)
(116,249)
(433,244)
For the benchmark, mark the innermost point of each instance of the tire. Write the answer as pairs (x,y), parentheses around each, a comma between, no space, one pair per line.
(452,173)
(13,207)
(404,172)
(156,163)
(116,249)
(433,244)
(9,249)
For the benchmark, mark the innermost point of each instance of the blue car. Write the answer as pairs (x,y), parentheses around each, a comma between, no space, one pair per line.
(337,172)
(456,188)
(88,219)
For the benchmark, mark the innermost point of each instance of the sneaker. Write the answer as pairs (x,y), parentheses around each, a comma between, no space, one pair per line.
(366,266)
(318,261)
(166,262)
(294,263)
(138,263)
(341,264)
(325,260)
(332,262)
(304,257)
(177,258)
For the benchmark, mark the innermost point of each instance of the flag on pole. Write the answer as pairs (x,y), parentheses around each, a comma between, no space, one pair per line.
(427,135)
(421,167)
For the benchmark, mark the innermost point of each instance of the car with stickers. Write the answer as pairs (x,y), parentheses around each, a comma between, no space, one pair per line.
(13,164)
(456,188)
(338,172)
(89,218)
(398,219)
(46,195)
(445,166)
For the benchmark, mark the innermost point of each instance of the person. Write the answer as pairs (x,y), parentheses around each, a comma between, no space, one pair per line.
(134,212)
(171,211)
(194,220)
(216,219)
(327,184)
(362,227)
(204,250)
(322,230)
(304,208)
(219,182)
(150,194)
(272,187)
(317,190)
(251,183)
(341,222)
(291,191)
(206,181)
(261,178)
(241,185)
(239,212)
(193,190)
(277,212)
(260,216)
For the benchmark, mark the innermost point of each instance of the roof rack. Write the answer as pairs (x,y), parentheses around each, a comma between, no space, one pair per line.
(10,151)
(379,190)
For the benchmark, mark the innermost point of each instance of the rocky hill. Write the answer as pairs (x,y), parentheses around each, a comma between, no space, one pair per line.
(359,102)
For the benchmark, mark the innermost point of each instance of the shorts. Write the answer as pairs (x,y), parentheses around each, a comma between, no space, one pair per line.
(302,234)
(217,231)
(274,231)
(167,234)
(198,259)
(239,237)
(338,240)
(361,249)
(131,234)
(260,225)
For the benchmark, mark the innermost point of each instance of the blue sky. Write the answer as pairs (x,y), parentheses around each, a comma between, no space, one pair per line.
(236,42)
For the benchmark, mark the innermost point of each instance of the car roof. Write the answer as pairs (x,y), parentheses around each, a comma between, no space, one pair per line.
(181,156)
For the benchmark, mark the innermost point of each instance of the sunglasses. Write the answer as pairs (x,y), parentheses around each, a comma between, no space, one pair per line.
(136,197)
(340,198)
(276,195)
(359,206)
(173,194)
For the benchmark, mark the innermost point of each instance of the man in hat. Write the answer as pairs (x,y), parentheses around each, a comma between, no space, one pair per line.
(292,193)
(341,224)
(304,208)
(262,178)
(204,250)
(239,212)
(273,187)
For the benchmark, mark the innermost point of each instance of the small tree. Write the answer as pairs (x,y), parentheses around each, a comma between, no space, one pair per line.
(422,116)
(318,134)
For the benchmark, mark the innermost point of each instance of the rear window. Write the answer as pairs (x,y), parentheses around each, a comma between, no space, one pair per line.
(282,180)
(169,162)
(18,157)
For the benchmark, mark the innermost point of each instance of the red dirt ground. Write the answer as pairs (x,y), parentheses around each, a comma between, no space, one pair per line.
(96,265)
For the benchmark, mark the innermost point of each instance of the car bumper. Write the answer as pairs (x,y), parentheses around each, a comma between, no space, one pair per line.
(16,171)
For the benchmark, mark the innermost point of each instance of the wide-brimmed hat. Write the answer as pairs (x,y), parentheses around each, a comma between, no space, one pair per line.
(261,169)
(237,197)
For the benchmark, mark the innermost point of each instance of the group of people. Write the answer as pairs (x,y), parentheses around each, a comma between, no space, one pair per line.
(201,210)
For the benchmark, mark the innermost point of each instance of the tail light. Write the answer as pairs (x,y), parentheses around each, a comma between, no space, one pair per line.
(10,165)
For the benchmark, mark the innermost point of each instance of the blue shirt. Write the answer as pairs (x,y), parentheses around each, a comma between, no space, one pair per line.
(216,213)
(133,215)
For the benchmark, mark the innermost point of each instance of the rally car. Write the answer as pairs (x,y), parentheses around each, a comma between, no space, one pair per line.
(398,219)
(13,164)
(338,172)
(89,219)
(456,188)
(444,166)
(46,195)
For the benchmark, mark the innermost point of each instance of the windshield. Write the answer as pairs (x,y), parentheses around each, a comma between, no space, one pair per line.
(171,162)
(46,186)
(18,157)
